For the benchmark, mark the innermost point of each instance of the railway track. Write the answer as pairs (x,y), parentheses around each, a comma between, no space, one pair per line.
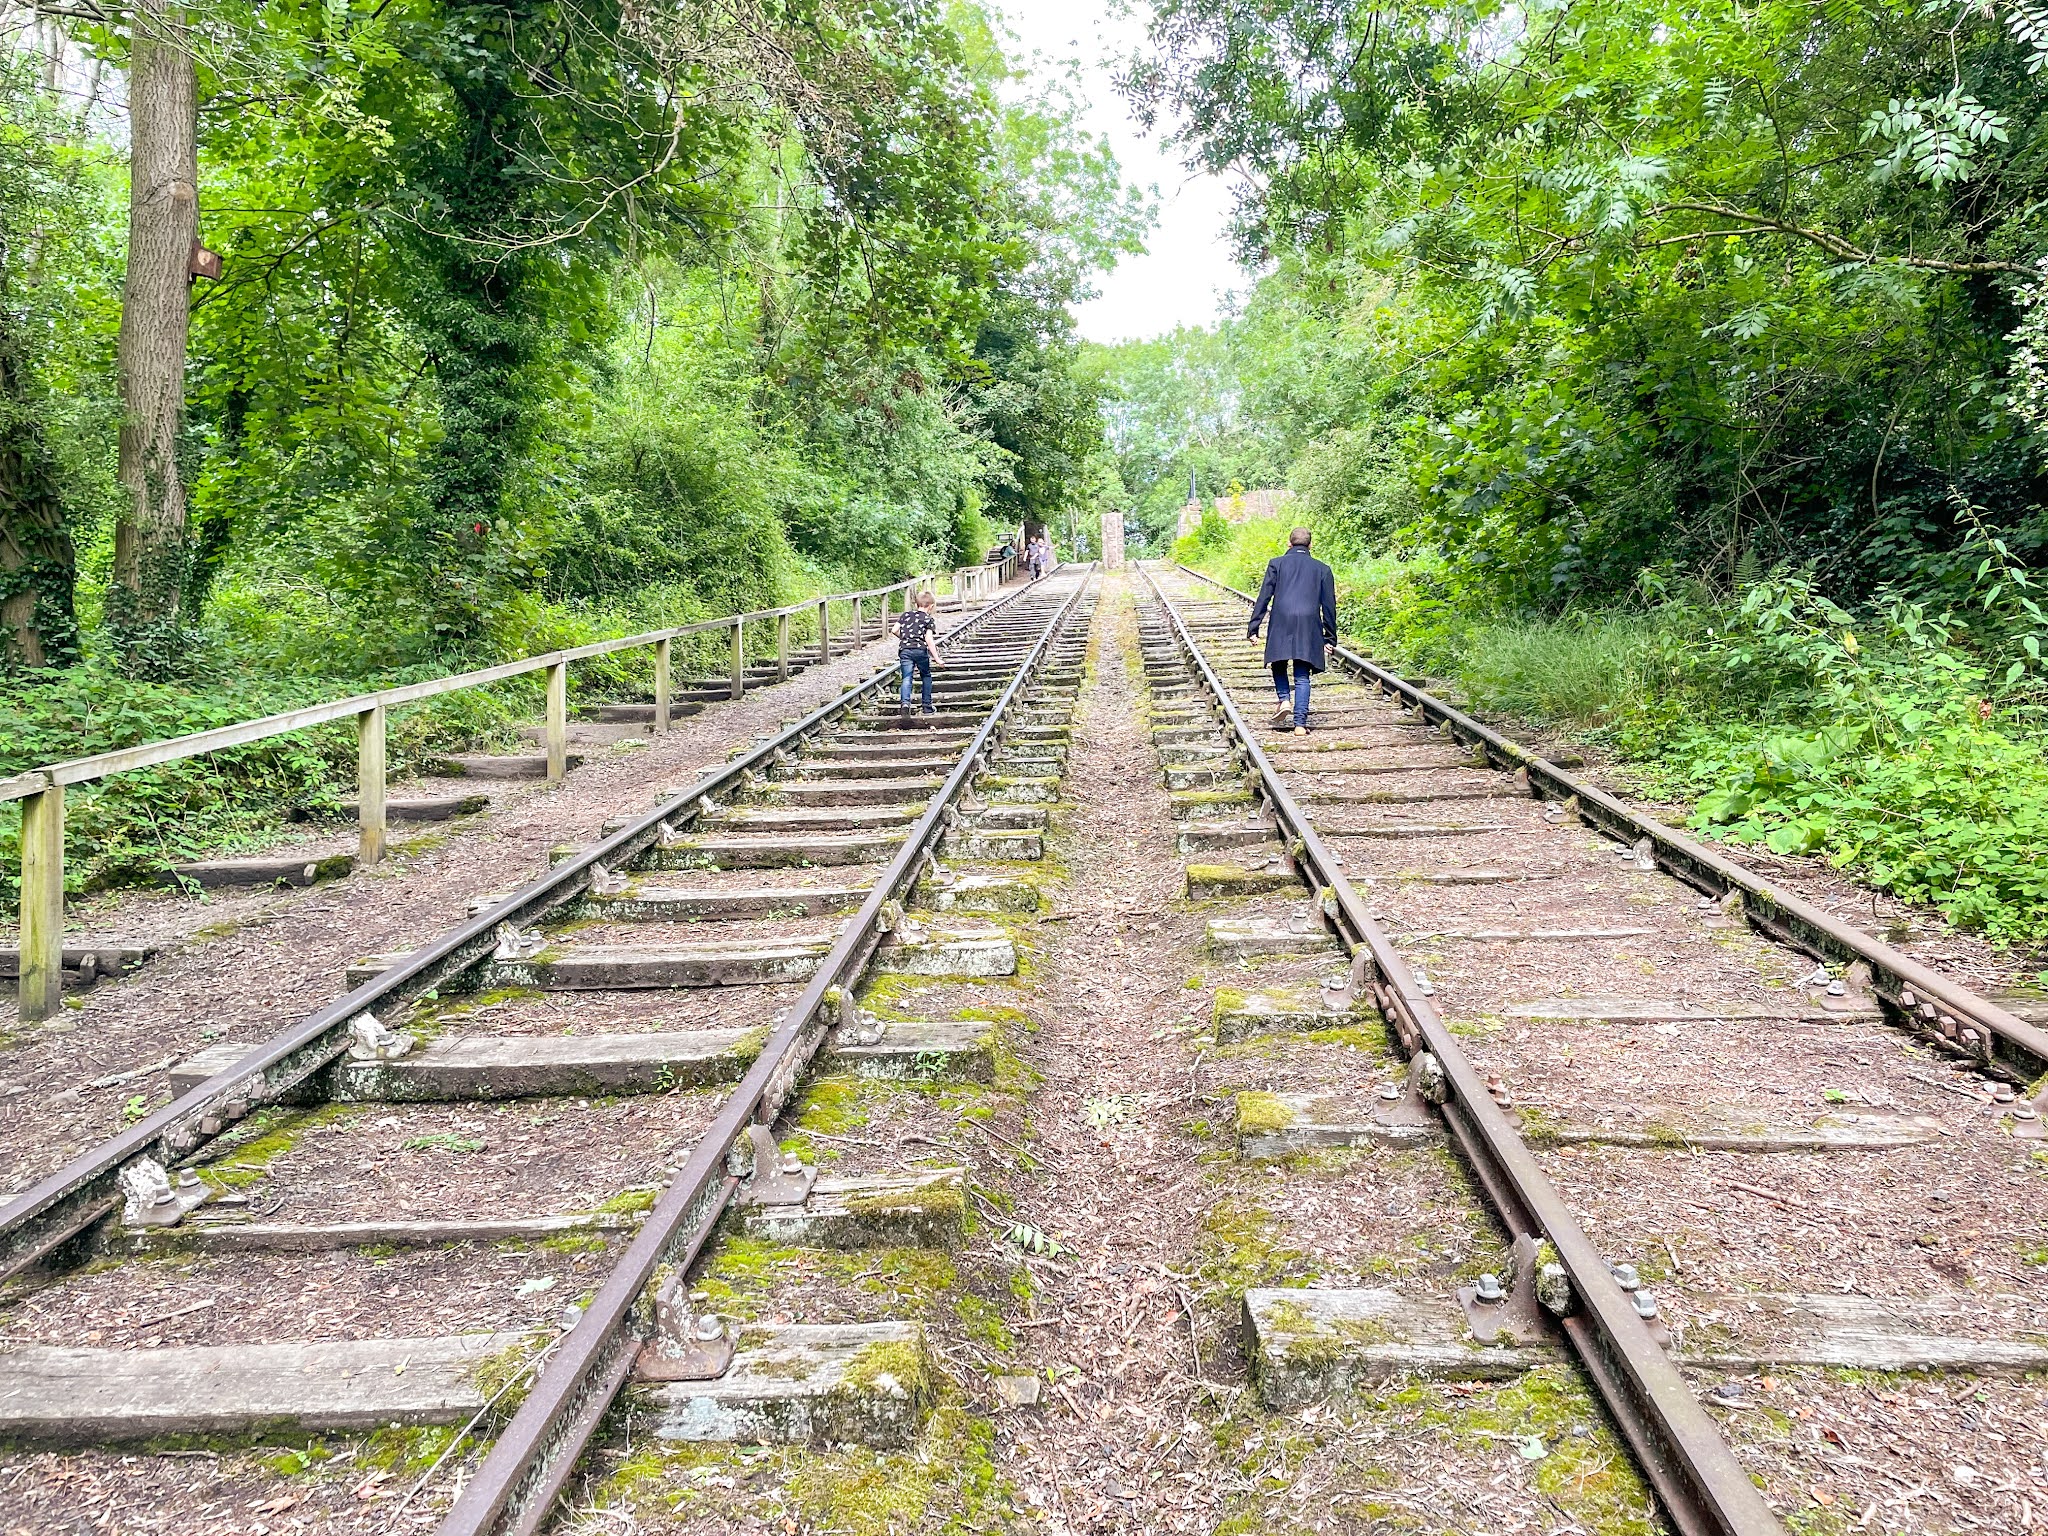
(1783,1217)
(1502,1154)
(545,1048)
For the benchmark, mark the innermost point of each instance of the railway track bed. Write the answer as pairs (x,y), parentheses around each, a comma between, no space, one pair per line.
(1108,1189)
(512,1098)
(1810,1204)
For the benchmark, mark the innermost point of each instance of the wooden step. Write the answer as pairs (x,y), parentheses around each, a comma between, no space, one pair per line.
(927,1209)
(85,964)
(1239,1015)
(1216,836)
(648,899)
(1300,933)
(890,791)
(1791,1009)
(426,807)
(1211,881)
(1271,1125)
(741,962)
(500,765)
(1308,1345)
(473,1067)
(803,1384)
(824,849)
(264,869)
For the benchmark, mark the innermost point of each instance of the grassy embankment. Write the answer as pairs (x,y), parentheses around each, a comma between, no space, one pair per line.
(1899,743)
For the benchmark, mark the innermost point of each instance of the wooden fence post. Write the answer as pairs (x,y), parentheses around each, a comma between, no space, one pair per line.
(782,647)
(859,632)
(558,721)
(824,629)
(370,774)
(739,659)
(661,685)
(42,904)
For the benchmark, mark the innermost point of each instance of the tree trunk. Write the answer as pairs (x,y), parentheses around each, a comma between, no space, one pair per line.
(163,208)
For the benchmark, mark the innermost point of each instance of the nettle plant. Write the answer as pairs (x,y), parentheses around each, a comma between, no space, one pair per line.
(1904,766)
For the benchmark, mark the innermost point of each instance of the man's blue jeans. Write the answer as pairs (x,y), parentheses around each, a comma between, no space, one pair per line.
(1301,676)
(920,663)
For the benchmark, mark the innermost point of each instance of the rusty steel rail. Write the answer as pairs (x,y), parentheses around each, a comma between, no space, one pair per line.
(63,1206)
(1942,1009)
(1675,1442)
(514,1489)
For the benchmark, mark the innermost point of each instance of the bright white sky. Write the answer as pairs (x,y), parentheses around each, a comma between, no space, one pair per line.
(1183,276)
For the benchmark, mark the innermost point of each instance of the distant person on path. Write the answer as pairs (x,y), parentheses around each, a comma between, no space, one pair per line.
(1041,557)
(917,647)
(1301,593)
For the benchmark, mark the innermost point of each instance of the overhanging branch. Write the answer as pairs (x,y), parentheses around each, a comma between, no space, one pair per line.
(1833,244)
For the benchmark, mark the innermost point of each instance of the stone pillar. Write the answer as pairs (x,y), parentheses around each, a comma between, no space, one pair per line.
(1113,541)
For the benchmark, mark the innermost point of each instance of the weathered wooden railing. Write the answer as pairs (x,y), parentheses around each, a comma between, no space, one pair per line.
(41,790)
(978,583)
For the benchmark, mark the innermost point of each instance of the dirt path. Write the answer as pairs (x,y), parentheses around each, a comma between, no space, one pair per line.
(1123,1441)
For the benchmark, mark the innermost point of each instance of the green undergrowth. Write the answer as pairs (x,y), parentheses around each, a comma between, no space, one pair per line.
(262,657)
(1899,742)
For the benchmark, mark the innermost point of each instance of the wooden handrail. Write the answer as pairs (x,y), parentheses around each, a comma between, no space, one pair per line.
(80,770)
(42,831)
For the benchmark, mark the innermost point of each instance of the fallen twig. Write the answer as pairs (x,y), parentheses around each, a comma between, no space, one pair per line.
(999,1136)
(1187,1305)
(128,1077)
(1792,1201)
(531,1363)
(165,1317)
(1969,1093)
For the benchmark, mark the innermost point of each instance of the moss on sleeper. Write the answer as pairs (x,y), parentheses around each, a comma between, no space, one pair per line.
(942,1202)
(1369,1034)
(1306,1341)
(1262,1114)
(892,1367)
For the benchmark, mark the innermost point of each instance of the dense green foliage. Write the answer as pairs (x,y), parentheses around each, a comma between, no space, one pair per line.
(537,321)
(1625,271)
(1671,375)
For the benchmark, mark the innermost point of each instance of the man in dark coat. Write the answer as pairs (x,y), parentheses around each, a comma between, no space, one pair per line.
(1301,593)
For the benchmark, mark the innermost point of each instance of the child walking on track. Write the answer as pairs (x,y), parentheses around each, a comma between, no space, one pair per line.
(917,647)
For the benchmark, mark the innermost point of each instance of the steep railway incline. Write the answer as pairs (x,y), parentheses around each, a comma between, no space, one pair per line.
(431,1203)
(844,1145)
(1710,1150)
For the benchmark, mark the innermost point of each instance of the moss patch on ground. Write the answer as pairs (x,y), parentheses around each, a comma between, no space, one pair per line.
(1240,1247)
(946,1485)
(245,1154)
